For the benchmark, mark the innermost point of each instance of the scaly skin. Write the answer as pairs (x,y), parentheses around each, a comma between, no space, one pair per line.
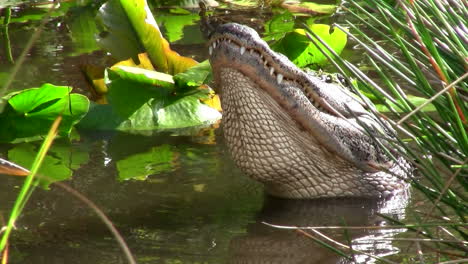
(292,131)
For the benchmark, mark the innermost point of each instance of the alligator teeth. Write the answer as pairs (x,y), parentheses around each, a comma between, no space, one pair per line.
(214,44)
(242,50)
(210,50)
(229,40)
(279,78)
(265,63)
(272,70)
(251,51)
(317,105)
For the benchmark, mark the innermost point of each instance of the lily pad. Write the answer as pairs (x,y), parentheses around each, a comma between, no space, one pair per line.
(175,24)
(194,76)
(144,76)
(300,50)
(132,19)
(136,105)
(30,112)
(277,27)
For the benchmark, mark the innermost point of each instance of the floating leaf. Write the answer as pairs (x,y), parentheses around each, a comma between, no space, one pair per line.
(175,24)
(194,76)
(278,26)
(415,100)
(135,104)
(300,50)
(185,112)
(31,112)
(144,76)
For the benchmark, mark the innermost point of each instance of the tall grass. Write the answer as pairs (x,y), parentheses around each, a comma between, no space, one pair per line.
(420,48)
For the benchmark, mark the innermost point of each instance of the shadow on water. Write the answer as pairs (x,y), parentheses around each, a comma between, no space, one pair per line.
(266,244)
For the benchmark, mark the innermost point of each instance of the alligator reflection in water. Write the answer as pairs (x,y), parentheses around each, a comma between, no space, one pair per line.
(266,244)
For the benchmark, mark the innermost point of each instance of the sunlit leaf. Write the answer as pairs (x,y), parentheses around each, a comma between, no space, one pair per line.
(135,104)
(194,76)
(143,62)
(199,187)
(278,26)
(175,24)
(415,100)
(144,76)
(300,50)
(31,112)
(185,112)
(213,101)
(134,16)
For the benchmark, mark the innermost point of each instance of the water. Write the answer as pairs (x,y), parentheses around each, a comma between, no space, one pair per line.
(188,212)
(199,210)
(175,199)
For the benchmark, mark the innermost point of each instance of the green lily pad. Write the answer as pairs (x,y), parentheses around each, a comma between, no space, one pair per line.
(144,76)
(175,24)
(300,50)
(194,76)
(30,112)
(136,105)
(415,100)
(186,111)
(278,26)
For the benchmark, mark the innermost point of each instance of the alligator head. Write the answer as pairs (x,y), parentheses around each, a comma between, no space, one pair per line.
(299,135)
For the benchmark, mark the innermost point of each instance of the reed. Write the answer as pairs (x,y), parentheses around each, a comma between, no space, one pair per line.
(419,48)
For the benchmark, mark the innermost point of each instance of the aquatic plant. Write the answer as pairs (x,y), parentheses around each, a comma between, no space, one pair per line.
(419,48)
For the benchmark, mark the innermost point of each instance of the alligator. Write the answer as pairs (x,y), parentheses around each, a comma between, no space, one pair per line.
(300,135)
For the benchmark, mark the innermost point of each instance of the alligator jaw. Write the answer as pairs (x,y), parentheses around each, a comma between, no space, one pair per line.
(322,109)
(261,65)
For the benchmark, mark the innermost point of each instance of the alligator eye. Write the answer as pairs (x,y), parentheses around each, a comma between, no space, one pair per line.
(328,79)
(342,79)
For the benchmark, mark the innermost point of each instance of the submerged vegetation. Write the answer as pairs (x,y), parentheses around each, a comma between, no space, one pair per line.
(416,48)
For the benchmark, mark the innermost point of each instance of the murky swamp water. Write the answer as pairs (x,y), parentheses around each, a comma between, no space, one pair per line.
(194,207)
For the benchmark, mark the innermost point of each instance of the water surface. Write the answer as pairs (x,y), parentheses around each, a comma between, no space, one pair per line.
(175,199)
